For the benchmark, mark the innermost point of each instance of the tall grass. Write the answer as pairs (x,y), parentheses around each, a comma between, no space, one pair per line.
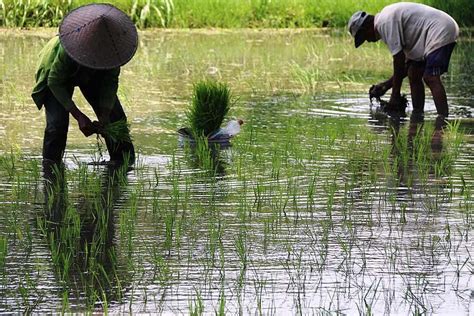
(151,13)
(31,13)
(48,13)
(219,13)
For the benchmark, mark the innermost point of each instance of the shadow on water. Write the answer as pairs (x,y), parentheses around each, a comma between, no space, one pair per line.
(81,238)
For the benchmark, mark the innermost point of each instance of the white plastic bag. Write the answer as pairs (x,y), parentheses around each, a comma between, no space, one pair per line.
(232,128)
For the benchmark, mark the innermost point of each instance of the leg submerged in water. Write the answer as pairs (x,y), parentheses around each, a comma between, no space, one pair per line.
(439,94)
(437,63)
(417,88)
(55,134)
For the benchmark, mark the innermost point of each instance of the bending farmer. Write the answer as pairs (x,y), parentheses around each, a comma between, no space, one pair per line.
(94,41)
(421,40)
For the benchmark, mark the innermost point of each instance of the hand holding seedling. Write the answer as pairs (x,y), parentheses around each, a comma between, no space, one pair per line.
(118,131)
(85,124)
(378,90)
(98,127)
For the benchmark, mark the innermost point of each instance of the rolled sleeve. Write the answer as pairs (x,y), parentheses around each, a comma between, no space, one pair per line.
(59,79)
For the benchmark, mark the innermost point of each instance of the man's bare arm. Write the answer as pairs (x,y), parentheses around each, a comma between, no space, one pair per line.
(399,73)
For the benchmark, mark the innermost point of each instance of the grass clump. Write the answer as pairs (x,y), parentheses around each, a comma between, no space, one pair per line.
(210,104)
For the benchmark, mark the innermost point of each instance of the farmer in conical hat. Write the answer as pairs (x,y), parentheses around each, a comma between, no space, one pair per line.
(94,41)
(421,40)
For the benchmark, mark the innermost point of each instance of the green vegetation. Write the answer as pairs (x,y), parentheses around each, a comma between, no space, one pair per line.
(210,104)
(299,206)
(32,13)
(118,131)
(3,253)
(314,204)
(219,13)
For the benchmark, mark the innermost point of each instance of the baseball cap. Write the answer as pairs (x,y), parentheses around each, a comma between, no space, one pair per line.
(355,23)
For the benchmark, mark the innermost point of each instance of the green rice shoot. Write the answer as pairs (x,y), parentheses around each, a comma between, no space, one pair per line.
(210,104)
(118,131)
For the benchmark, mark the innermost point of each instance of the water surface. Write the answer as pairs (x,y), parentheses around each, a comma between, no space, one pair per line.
(320,204)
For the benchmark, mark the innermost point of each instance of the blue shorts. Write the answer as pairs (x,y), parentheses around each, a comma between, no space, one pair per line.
(437,62)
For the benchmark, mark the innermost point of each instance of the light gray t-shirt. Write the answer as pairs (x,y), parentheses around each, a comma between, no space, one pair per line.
(415,28)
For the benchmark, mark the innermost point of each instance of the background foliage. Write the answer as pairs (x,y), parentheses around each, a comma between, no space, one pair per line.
(220,13)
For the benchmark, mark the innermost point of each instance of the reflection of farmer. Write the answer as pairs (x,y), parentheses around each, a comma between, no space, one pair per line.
(88,248)
(421,40)
(94,41)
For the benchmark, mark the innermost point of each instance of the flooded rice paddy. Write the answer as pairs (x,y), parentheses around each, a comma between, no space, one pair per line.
(319,206)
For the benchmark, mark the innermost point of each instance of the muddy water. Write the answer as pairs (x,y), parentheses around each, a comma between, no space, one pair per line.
(312,209)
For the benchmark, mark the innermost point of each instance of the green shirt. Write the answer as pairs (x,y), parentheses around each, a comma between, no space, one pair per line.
(59,73)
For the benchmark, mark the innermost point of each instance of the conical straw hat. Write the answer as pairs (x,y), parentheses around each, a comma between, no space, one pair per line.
(99,36)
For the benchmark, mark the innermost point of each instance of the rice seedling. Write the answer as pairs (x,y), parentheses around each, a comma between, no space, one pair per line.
(3,253)
(204,156)
(196,308)
(211,101)
(222,303)
(8,164)
(242,249)
(349,210)
(118,131)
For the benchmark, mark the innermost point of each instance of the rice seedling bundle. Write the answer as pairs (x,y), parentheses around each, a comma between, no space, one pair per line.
(211,102)
(118,131)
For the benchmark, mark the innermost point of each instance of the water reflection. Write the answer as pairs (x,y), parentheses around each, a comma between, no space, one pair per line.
(207,157)
(306,174)
(416,150)
(81,238)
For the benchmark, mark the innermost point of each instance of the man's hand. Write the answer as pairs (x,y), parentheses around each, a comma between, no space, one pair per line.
(85,124)
(378,90)
(396,100)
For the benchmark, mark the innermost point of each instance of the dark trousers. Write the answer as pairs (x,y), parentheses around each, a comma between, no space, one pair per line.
(57,124)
